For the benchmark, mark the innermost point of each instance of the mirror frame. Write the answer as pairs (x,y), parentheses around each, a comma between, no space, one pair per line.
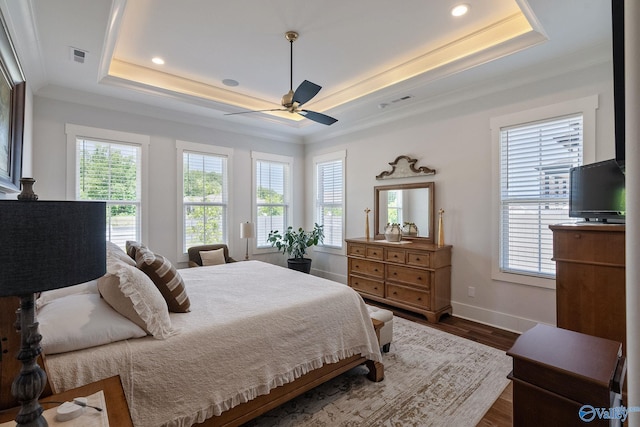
(430,185)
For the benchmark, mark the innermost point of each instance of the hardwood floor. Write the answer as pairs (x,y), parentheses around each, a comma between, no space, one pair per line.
(501,413)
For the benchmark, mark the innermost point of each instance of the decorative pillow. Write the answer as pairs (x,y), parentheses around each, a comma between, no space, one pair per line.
(214,257)
(80,321)
(132,247)
(132,294)
(115,252)
(90,287)
(166,278)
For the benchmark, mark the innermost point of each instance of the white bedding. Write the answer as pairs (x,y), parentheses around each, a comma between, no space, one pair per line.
(252,327)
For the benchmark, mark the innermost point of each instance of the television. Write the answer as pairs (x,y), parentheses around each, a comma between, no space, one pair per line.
(596,192)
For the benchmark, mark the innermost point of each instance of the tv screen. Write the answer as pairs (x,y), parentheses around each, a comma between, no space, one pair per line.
(597,192)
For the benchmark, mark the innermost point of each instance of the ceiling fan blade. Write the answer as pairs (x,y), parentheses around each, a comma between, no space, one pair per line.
(318,117)
(305,92)
(255,111)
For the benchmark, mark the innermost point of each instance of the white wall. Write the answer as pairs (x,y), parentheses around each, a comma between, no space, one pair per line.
(456,141)
(49,166)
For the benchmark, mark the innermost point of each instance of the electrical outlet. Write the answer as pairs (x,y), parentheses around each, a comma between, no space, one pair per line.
(472,291)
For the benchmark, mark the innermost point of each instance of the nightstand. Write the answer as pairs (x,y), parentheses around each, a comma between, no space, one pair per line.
(117,407)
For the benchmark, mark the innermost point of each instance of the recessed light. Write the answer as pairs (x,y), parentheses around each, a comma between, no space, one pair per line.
(157,60)
(230,82)
(460,9)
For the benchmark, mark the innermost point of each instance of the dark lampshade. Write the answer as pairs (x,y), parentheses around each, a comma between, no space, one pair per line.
(48,245)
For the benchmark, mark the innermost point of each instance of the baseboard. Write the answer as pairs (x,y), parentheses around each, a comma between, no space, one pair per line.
(493,318)
(340,278)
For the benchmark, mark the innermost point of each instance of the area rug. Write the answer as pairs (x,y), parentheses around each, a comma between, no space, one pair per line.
(432,378)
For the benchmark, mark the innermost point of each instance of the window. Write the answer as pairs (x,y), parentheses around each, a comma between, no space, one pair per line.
(534,162)
(329,172)
(108,166)
(394,206)
(204,184)
(272,177)
(535,159)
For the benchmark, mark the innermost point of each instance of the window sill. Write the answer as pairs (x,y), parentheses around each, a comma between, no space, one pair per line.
(523,279)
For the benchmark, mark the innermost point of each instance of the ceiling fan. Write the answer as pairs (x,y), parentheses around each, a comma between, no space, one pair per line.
(292,101)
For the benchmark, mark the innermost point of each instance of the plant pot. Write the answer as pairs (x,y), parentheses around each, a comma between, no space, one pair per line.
(410,229)
(300,264)
(392,233)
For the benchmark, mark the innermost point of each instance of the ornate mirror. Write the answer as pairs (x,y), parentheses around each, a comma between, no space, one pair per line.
(405,203)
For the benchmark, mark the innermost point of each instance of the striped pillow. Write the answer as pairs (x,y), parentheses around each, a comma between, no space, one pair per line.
(166,278)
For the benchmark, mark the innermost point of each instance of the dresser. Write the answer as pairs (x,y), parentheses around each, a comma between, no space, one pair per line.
(410,275)
(590,279)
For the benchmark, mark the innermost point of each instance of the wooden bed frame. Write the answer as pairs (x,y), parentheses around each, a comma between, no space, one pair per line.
(10,366)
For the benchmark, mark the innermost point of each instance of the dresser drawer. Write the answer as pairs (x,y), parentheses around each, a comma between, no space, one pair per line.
(356,250)
(589,246)
(375,252)
(366,268)
(416,297)
(394,255)
(411,276)
(368,286)
(419,259)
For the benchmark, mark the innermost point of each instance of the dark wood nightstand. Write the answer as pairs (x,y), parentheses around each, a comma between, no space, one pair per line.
(117,407)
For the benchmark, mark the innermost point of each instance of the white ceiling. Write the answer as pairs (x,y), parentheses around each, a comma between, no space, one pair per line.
(366,54)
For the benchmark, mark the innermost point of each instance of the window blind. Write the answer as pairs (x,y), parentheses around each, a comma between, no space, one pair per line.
(110,172)
(330,201)
(535,159)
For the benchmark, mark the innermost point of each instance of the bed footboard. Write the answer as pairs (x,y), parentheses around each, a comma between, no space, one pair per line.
(247,411)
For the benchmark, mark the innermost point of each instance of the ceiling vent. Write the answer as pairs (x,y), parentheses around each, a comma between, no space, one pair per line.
(77,55)
(394,101)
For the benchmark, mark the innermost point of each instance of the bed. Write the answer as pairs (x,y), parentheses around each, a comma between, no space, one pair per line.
(255,336)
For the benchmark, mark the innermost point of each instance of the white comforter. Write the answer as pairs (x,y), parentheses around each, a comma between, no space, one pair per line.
(252,327)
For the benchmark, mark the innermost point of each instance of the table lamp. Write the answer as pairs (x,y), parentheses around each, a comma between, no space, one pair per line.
(246,232)
(45,245)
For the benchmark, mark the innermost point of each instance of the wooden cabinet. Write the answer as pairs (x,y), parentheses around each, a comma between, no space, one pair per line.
(115,400)
(410,275)
(556,372)
(590,279)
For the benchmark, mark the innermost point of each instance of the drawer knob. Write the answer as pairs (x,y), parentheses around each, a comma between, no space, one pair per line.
(395,274)
(419,278)
(375,288)
(417,258)
(395,293)
(419,298)
(395,256)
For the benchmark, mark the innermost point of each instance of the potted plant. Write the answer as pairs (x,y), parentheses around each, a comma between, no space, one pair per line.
(295,243)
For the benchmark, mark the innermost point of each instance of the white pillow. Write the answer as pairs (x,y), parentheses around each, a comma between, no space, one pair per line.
(133,294)
(214,257)
(90,287)
(80,321)
(115,252)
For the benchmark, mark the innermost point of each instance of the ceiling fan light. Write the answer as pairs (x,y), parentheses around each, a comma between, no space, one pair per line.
(460,10)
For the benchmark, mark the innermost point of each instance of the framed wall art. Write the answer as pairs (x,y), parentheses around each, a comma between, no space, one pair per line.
(12,99)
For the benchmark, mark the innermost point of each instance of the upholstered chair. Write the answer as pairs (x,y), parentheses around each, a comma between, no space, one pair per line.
(195,260)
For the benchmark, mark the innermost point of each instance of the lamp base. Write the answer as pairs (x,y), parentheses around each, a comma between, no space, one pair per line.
(31,380)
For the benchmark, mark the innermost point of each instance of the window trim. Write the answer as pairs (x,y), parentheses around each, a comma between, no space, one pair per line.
(340,155)
(268,157)
(210,150)
(587,106)
(74,132)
